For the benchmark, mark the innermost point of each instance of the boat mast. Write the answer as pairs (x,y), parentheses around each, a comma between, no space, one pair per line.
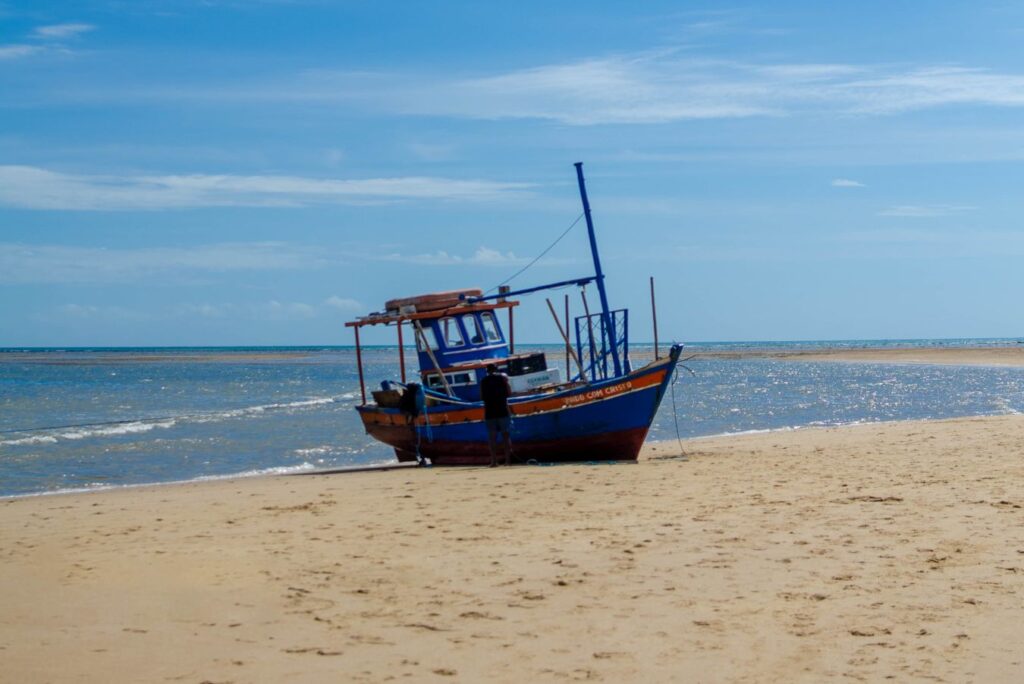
(606,317)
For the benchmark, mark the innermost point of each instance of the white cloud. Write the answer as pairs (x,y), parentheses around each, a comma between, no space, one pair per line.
(30,187)
(283,311)
(638,89)
(483,256)
(82,312)
(344,304)
(268,311)
(58,31)
(656,87)
(201,310)
(924,210)
(23,263)
(16,51)
(431,151)
(77,310)
(846,183)
(963,241)
(649,87)
(932,87)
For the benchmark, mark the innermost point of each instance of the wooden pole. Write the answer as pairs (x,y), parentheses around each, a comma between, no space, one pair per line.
(568,344)
(568,349)
(433,359)
(505,289)
(654,317)
(511,333)
(590,330)
(359,363)
(401,351)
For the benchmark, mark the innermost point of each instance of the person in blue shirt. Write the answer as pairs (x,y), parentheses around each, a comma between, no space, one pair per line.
(495,391)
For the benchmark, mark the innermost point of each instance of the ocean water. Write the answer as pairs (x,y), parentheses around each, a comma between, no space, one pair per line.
(90,418)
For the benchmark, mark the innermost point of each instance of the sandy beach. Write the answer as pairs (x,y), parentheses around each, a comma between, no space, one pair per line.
(878,551)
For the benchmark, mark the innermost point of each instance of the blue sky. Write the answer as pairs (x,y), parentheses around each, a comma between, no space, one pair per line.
(258,172)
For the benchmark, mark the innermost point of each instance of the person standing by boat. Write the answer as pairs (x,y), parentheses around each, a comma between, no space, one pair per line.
(495,391)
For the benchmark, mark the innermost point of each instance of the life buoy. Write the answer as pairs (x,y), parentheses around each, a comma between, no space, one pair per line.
(431,302)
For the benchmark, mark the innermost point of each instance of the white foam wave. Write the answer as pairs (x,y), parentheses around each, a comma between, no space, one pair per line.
(253,410)
(314,451)
(52,436)
(35,439)
(259,472)
(120,429)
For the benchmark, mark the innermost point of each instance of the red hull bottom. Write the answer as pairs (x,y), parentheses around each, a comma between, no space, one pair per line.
(610,446)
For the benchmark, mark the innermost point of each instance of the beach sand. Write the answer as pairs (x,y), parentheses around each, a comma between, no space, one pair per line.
(879,551)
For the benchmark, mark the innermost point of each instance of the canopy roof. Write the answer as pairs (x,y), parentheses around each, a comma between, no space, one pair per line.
(386,318)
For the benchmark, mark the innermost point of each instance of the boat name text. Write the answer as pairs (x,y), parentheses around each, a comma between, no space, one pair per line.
(599,393)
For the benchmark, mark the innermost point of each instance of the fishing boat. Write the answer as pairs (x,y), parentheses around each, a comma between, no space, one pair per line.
(601,411)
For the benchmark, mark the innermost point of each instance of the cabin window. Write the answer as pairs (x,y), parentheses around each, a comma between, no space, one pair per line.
(490,326)
(428,333)
(451,333)
(454,379)
(476,335)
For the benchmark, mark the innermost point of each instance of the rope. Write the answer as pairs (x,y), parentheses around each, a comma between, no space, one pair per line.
(675,413)
(538,257)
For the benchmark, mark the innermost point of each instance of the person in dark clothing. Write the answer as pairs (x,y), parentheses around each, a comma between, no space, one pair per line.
(495,391)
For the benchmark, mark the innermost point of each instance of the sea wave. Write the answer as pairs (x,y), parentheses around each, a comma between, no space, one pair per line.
(34,439)
(51,435)
(122,429)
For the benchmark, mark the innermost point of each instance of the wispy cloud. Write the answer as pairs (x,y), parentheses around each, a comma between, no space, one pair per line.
(924,210)
(272,310)
(959,242)
(17,51)
(42,41)
(846,183)
(283,311)
(483,256)
(431,151)
(344,304)
(92,312)
(637,89)
(59,31)
(662,86)
(931,87)
(21,263)
(31,187)
(650,87)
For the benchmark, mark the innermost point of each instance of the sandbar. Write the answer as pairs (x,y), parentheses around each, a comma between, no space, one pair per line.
(946,356)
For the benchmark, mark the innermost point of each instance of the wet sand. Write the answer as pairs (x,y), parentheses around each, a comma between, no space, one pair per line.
(887,550)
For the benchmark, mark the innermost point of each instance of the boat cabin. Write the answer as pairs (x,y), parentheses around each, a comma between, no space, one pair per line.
(456,338)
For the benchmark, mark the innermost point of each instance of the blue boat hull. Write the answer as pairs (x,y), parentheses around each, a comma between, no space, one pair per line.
(606,420)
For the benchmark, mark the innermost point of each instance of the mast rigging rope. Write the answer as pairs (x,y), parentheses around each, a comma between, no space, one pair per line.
(537,258)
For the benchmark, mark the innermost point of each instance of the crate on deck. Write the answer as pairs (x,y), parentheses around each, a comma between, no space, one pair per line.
(524,364)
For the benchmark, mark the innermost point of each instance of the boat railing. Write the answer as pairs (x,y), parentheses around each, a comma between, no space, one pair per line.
(595,347)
